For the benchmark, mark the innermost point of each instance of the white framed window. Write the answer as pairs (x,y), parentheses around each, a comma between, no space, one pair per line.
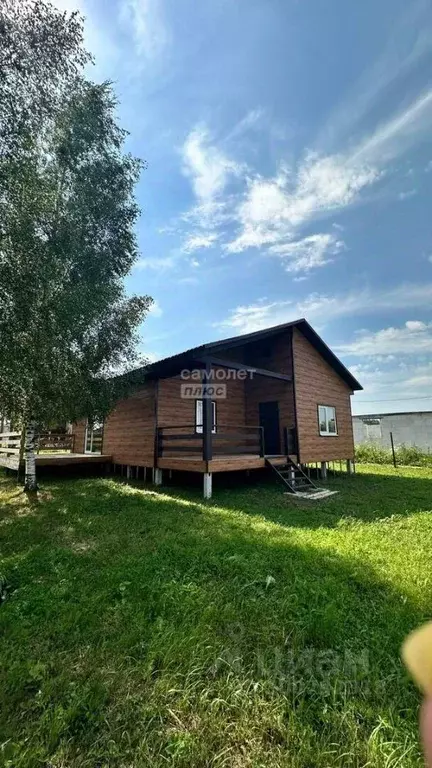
(327,420)
(93,437)
(199,416)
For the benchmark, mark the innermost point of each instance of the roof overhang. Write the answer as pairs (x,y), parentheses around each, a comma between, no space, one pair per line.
(172,366)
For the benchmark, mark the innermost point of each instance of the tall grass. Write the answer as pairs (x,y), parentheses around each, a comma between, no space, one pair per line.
(408,455)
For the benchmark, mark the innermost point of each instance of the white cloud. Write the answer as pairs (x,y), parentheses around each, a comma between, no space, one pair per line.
(273,210)
(206,165)
(158,263)
(407,195)
(155,309)
(408,42)
(254,317)
(188,280)
(414,338)
(196,242)
(321,308)
(389,386)
(415,325)
(310,252)
(250,120)
(397,135)
(144,21)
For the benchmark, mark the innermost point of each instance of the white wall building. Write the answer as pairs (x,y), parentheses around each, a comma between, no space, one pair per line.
(410,428)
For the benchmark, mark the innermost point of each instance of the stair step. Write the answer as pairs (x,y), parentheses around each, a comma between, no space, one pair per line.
(299,483)
(316,495)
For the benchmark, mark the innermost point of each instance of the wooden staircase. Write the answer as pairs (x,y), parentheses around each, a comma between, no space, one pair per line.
(296,481)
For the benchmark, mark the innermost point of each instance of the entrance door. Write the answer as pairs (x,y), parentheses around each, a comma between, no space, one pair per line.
(269,419)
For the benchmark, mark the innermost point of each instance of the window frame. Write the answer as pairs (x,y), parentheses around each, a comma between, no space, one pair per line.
(326,433)
(199,428)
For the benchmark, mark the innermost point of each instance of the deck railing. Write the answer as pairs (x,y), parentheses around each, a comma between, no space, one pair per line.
(227,440)
(48,442)
(10,449)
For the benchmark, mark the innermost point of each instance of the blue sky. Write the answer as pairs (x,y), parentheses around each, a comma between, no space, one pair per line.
(289,150)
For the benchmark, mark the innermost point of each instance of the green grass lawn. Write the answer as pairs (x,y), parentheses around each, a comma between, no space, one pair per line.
(145,627)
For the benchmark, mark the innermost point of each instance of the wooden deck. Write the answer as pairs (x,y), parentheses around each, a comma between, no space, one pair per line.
(62,459)
(218,464)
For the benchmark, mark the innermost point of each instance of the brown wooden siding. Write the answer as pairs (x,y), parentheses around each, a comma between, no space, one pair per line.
(277,358)
(129,430)
(174,410)
(272,354)
(316,383)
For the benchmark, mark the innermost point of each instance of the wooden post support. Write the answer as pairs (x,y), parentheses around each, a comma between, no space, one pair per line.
(128,472)
(207,415)
(207,483)
(350,466)
(324,470)
(157,476)
(145,474)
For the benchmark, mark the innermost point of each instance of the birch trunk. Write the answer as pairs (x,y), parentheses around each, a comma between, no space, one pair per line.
(30,461)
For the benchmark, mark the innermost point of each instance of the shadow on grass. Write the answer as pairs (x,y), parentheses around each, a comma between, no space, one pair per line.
(363,497)
(125,594)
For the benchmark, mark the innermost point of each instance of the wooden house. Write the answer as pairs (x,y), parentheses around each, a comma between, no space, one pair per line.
(277,397)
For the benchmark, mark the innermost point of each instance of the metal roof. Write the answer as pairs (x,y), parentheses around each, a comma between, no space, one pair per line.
(163,367)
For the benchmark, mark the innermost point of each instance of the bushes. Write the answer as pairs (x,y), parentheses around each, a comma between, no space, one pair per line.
(370,453)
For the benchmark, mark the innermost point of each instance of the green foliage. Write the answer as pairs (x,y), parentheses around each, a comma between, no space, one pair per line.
(406,455)
(142,628)
(41,51)
(67,239)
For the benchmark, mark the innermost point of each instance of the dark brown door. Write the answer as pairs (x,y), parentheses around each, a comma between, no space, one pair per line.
(269,420)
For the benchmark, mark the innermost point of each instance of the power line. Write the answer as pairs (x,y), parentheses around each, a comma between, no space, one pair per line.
(397,399)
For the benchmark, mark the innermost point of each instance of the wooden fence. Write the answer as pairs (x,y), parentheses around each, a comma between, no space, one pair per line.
(11,449)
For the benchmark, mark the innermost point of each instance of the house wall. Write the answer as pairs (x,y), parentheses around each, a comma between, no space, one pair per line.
(174,410)
(278,358)
(407,429)
(129,430)
(316,383)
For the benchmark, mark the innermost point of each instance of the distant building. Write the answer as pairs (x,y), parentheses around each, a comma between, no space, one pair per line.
(409,428)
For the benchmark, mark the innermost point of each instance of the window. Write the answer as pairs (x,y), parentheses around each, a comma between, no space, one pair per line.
(199,416)
(373,429)
(327,420)
(93,437)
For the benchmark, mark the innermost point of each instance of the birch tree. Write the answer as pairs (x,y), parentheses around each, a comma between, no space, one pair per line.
(67,241)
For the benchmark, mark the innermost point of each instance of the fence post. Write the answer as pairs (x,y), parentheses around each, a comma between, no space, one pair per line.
(393,449)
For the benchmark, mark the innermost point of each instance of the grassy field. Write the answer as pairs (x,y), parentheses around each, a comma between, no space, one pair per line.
(145,627)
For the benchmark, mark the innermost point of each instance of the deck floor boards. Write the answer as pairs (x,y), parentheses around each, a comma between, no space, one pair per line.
(53,459)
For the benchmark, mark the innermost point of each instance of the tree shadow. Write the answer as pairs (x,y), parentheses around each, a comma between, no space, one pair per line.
(180,600)
(362,497)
